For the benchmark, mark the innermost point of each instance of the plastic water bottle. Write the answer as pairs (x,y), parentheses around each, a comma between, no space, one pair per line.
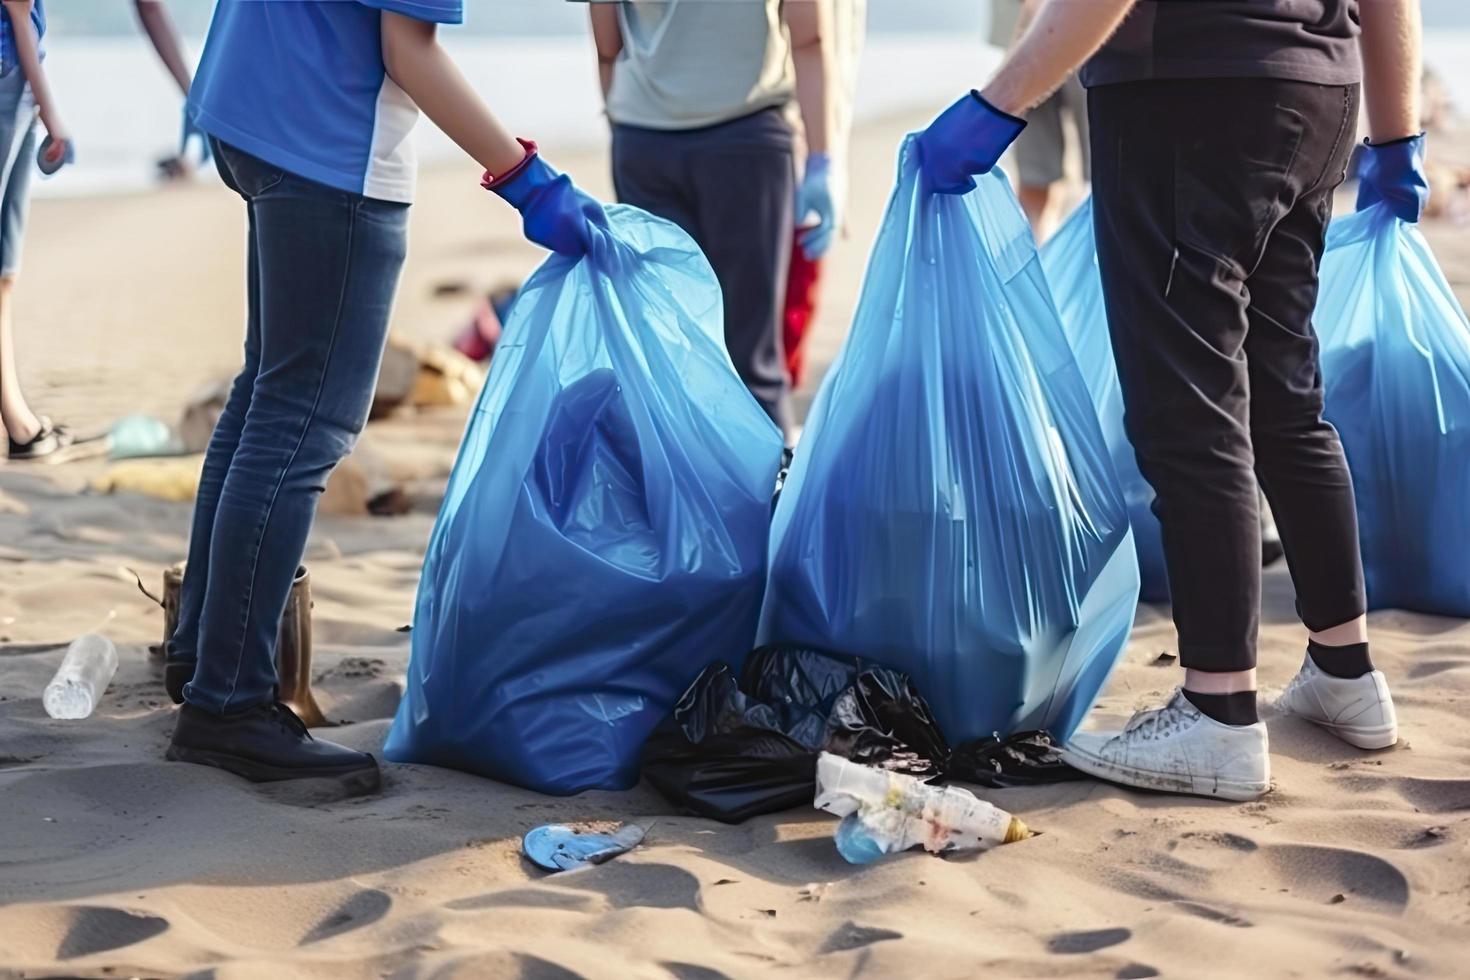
(887,812)
(136,436)
(83,676)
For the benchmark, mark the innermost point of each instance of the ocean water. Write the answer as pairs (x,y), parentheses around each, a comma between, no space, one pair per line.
(124,110)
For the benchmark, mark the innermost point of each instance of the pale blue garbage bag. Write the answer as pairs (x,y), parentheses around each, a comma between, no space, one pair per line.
(1070,261)
(952,511)
(603,536)
(1396,368)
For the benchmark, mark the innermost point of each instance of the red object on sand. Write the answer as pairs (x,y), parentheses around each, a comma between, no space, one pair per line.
(478,338)
(801,305)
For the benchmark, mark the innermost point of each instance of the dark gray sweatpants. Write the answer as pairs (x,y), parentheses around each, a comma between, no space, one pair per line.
(732,188)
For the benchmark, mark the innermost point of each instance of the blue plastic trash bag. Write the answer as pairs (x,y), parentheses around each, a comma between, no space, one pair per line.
(603,536)
(1070,261)
(1396,367)
(952,511)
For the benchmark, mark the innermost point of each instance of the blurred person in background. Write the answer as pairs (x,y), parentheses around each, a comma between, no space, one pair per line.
(24,96)
(154,18)
(698,94)
(1041,149)
(848,31)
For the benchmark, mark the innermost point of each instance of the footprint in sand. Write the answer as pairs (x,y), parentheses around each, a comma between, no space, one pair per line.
(504,963)
(1075,943)
(65,932)
(1422,793)
(521,898)
(98,929)
(853,936)
(692,971)
(1136,971)
(1214,915)
(1435,795)
(1318,873)
(629,885)
(1424,667)
(1428,837)
(362,909)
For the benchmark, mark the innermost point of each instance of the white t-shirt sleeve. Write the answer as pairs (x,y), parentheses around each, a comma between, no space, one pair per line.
(433,11)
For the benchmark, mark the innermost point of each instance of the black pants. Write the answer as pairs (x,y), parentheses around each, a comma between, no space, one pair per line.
(732,187)
(1212,198)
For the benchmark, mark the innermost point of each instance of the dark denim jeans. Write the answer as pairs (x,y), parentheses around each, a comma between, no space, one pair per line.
(323,268)
(732,188)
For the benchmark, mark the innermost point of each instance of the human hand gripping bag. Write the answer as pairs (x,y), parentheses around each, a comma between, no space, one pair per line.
(1070,261)
(603,536)
(1396,371)
(952,511)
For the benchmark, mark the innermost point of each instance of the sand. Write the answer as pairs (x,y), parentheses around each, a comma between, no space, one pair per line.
(115,863)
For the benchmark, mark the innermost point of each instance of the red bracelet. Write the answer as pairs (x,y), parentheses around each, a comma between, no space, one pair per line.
(490,182)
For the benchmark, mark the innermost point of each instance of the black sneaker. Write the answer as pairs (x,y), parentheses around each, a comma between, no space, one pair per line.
(176,673)
(268,743)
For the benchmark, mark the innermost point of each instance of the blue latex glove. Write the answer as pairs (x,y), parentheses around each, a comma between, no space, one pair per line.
(1393,173)
(554,212)
(967,139)
(815,196)
(191,131)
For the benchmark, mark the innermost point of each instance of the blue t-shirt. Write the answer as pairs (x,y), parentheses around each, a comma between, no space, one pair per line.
(9,54)
(301,84)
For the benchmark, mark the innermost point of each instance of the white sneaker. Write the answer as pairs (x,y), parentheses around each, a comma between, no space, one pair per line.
(1358,710)
(1178,749)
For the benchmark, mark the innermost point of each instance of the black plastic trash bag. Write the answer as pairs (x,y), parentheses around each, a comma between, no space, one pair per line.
(732,750)
(1023,759)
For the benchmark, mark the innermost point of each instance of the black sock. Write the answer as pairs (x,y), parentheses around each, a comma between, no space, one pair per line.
(1349,661)
(1227,709)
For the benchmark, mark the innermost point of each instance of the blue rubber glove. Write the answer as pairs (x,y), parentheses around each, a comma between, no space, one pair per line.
(815,196)
(554,212)
(1393,173)
(191,131)
(967,139)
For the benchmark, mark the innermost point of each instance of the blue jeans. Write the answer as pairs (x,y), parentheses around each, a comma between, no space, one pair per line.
(17,154)
(323,268)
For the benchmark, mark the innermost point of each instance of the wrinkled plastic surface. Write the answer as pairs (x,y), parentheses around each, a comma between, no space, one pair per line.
(1070,261)
(1396,367)
(1021,759)
(952,511)
(557,847)
(733,749)
(889,812)
(604,532)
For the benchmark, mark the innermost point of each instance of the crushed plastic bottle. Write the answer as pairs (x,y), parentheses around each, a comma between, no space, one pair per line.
(887,812)
(83,676)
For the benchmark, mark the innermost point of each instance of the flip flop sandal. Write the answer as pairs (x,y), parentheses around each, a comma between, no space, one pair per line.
(52,438)
(557,847)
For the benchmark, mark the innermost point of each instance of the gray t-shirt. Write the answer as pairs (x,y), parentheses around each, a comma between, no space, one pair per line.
(686,64)
(1296,40)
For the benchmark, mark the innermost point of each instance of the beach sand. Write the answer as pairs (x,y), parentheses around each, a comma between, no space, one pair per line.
(115,863)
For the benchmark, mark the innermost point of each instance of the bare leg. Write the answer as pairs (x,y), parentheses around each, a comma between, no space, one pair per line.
(1344,634)
(19,421)
(1220,682)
